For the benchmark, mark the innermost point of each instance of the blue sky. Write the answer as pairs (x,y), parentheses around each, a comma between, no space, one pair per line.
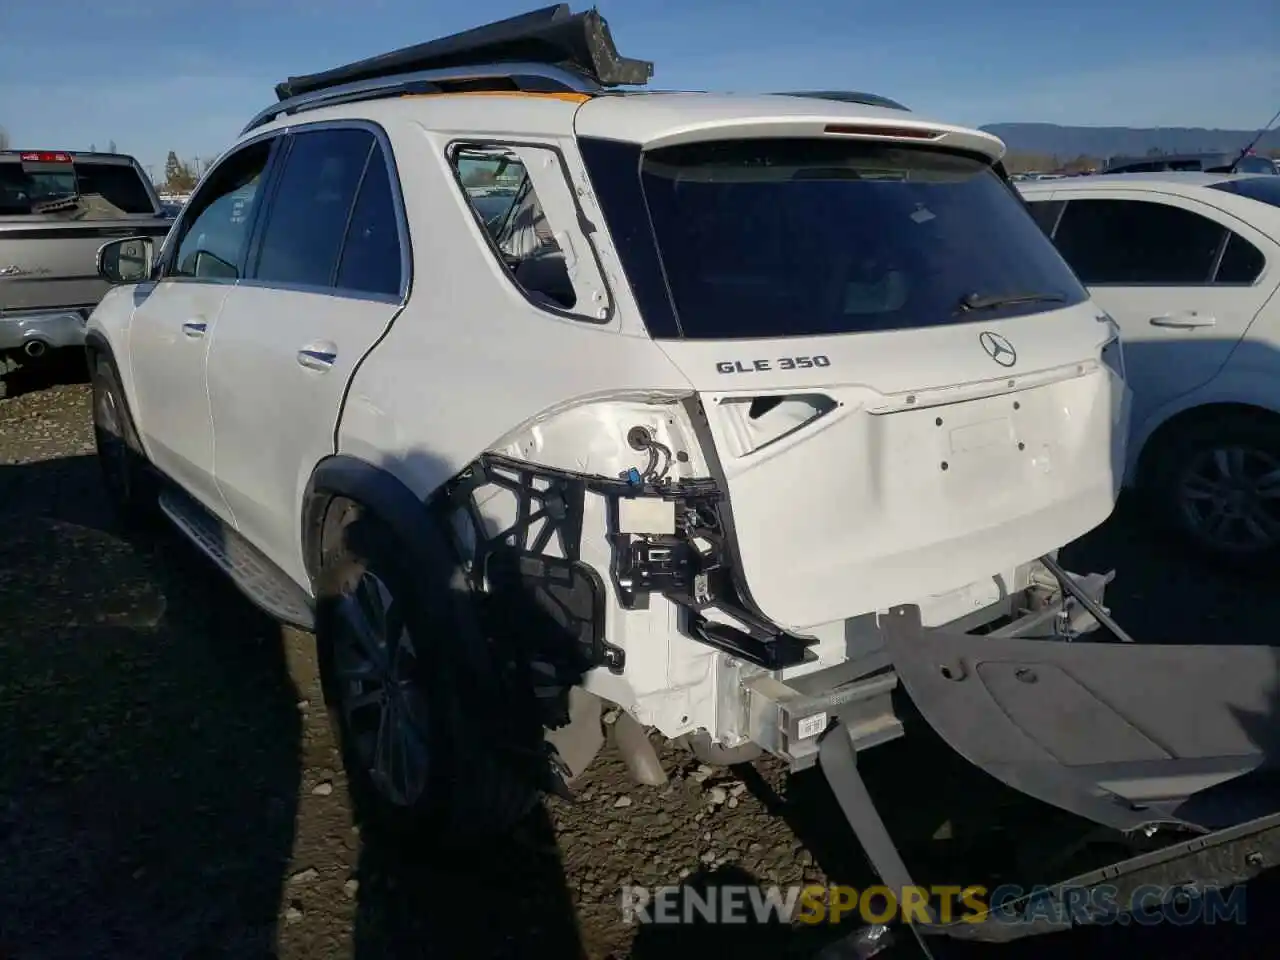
(186,74)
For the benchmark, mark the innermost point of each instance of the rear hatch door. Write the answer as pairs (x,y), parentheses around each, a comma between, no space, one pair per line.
(56,210)
(903,382)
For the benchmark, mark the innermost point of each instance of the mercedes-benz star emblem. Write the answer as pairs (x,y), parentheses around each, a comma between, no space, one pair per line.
(998,348)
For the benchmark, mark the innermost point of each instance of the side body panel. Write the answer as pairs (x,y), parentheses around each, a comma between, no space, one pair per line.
(168,345)
(471,365)
(471,361)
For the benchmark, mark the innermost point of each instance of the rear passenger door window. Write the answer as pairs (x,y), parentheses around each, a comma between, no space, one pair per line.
(1132,242)
(1241,262)
(311,207)
(372,260)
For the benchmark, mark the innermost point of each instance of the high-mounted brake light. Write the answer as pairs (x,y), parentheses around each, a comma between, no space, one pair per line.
(875,130)
(43,156)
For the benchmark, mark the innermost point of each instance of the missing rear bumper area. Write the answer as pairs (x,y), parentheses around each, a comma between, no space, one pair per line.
(1170,750)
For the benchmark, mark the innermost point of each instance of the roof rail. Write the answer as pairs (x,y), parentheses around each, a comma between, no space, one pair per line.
(551,36)
(532,77)
(848,96)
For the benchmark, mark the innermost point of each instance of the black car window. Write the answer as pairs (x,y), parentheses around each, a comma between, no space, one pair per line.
(371,260)
(1138,242)
(773,238)
(118,186)
(1242,262)
(83,190)
(1046,213)
(1264,189)
(215,225)
(311,205)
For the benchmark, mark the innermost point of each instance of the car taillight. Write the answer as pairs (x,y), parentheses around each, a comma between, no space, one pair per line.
(44,156)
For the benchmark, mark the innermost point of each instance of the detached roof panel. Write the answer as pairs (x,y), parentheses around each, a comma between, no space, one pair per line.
(551,35)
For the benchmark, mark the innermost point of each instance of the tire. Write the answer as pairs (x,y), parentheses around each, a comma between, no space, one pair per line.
(473,780)
(126,474)
(1189,489)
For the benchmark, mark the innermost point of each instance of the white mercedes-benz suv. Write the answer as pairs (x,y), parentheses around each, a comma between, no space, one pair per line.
(532,392)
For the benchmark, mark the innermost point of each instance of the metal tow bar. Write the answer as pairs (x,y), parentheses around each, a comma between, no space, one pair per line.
(838,759)
(1069,585)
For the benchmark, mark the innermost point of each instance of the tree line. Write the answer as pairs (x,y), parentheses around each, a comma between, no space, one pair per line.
(181,176)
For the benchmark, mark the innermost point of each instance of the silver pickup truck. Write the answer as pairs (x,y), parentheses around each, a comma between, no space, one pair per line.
(56,209)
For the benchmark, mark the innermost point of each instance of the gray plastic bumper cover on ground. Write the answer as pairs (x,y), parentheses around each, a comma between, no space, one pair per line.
(1132,736)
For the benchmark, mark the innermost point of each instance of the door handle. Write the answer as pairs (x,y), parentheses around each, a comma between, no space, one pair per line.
(1184,321)
(316,359)
(194,329)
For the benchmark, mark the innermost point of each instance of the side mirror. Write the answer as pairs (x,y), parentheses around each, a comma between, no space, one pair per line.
(126,261)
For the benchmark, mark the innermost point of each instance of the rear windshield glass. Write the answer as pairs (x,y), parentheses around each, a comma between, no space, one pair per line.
(770,238)
(1264,189)
(85,191)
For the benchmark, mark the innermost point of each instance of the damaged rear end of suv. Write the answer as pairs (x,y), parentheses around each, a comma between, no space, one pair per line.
(908,403)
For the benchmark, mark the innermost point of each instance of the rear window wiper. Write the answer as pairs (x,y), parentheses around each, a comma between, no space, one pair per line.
(974,301)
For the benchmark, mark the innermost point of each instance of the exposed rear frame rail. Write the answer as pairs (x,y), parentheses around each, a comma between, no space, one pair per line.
(759,643)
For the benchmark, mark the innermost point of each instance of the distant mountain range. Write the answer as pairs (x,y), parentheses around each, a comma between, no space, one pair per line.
(1066,143)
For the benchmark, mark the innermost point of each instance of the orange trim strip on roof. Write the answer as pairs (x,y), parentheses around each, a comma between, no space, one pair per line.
(550,95)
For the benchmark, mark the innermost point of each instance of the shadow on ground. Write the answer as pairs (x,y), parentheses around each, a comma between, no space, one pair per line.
(156,742)
(56,367)
(154,748)
(150,742)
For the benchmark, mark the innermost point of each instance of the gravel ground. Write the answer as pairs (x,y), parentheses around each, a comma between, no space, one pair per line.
(169,787)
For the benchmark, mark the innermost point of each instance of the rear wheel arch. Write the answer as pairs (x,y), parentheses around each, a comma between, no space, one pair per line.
(494,769)
(371,488)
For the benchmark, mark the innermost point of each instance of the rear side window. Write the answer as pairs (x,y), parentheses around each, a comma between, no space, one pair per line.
(1242,262)
(371,260)
(799,237)
(119,186)
(1265,189)
(1138,242)
(1046,213)
(311,207)
(79,191)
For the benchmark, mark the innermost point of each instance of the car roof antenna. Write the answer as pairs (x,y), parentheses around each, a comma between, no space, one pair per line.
(1254,142)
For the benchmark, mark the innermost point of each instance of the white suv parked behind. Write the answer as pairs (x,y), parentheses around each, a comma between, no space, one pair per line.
(737,413)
